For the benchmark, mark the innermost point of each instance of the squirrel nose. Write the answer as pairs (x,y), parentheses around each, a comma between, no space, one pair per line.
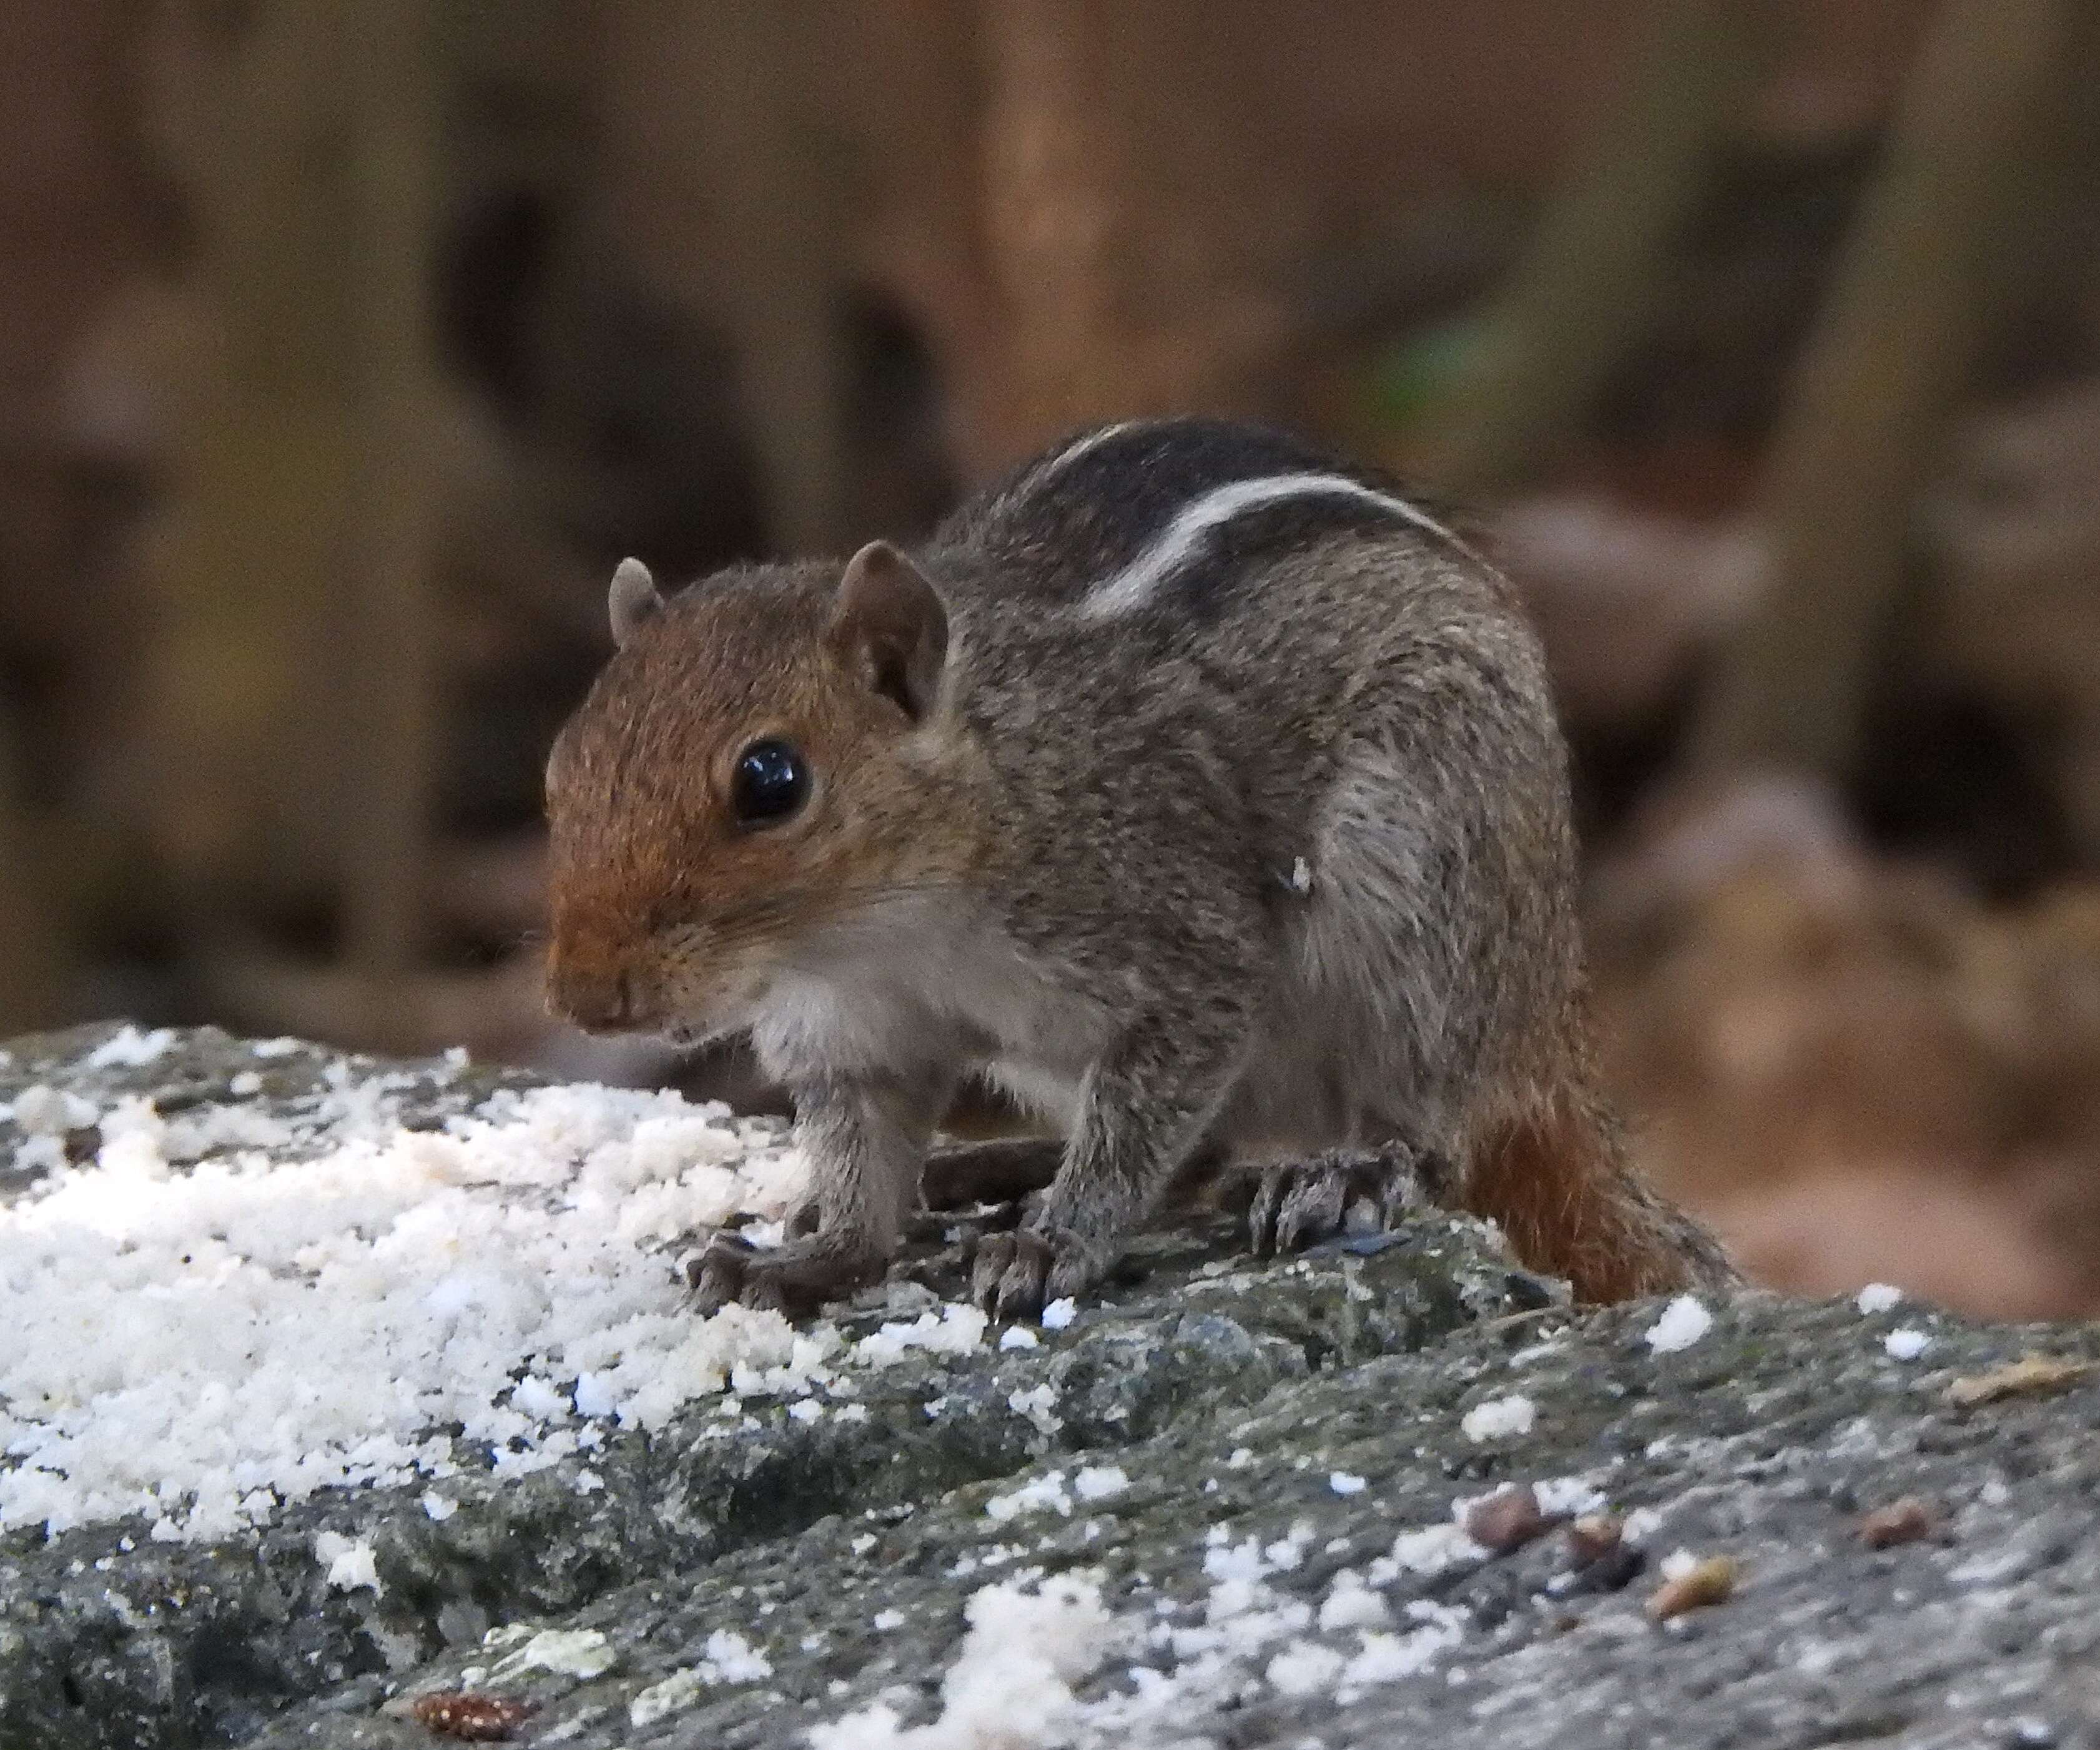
(597,998)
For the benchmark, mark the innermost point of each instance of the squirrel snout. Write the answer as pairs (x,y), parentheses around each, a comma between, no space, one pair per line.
(599,994)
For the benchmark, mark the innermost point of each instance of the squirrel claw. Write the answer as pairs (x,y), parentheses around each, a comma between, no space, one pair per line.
(1302,1202)
(1015,1275)
(793,1280)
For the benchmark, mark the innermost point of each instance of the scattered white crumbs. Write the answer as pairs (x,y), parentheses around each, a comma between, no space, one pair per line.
(1879,1297)
(1342,1483)
(318,1323)
(1906,1344)
(1496,1418)
(1683,1322)
(1019,1336)
(349,1565)
(128,1048)
(1060,1313)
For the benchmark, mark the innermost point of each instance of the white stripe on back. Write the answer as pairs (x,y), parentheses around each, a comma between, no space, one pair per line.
(1058,463)
(1132,586)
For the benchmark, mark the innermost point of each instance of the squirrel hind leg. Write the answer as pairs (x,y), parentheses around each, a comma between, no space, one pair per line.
(1558,1182)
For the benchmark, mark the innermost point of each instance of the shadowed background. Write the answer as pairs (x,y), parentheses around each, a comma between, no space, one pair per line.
(348,344)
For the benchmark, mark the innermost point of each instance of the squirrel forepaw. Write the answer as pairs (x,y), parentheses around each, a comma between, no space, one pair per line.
(1015,1274)
(794,1279)
(1300,1203)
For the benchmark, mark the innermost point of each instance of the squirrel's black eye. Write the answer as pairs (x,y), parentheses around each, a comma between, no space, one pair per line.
(769,784)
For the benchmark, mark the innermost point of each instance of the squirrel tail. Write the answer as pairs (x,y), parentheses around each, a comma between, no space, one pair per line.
(1558,1182)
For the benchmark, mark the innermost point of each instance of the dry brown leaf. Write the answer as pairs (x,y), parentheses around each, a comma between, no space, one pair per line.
(1712,1581)
(2029,1375)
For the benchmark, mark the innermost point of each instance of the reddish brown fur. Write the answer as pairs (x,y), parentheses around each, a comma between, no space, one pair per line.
(1557,1183)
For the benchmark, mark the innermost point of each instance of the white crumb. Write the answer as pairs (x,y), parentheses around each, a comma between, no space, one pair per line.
(1045,1494)
(1099,1482)
(1683,1322)
(1677,1564)
(672,1694)
(1906,1344)
(1342,1483)
(883,1621)
(274,1048)
(41,1111)
(1496,1418)
(1019,1337)
(1010,1687)
(1060,1313)
(582,1653)
(1035,1403)
(1431,1550)
(1351,1604)
(246,1085)
(1879,1297)
(348,1565)
(1640,1526)
(1304,1668)
(128,1048)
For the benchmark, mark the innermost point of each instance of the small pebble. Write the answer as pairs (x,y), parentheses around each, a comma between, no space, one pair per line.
(1903,1521)
(1507,1519)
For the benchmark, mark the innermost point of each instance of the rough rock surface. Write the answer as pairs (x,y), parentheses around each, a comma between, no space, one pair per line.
(1228,1521)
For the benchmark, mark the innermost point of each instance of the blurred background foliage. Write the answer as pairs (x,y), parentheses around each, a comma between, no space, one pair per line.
(349,343)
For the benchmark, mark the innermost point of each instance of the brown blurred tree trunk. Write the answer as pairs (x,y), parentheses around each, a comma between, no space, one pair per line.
(392,549)
(31,951)
(1893,348)
(1591,278)
(719,191)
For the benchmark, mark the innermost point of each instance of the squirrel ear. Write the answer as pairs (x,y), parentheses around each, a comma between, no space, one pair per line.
(889,623)
(634,599)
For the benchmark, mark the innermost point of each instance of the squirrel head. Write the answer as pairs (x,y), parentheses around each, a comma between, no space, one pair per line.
(763,764)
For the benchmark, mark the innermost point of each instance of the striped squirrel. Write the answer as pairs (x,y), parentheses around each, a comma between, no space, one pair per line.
(1201,792)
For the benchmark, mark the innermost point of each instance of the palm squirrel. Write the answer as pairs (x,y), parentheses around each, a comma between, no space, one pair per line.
(1203,793)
